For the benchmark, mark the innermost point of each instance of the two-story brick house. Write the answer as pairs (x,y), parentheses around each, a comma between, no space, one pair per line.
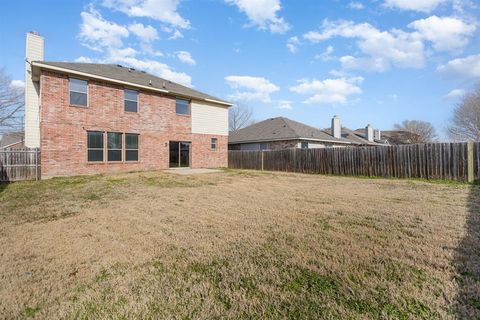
(95,118)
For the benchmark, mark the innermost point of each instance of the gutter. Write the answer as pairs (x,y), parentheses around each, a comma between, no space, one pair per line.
(135,85)
(283,139)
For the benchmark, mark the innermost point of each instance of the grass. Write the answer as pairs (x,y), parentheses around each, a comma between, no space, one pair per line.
(238,244)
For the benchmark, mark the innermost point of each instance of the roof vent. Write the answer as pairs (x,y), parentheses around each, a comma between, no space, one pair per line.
(150,82)
(119,65)
(164,84)
(131,69)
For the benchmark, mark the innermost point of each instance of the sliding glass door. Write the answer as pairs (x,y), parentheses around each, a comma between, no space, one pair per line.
(179,154)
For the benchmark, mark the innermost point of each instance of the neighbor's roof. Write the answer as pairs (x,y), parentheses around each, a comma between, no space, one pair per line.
(11,138)
(354,136)
(280,129)
(126,75)
(398,137)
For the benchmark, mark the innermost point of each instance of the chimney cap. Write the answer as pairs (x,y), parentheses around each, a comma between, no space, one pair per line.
(36,33)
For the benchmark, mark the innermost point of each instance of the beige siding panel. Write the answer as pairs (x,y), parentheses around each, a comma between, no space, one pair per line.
(34,52)
(209,118)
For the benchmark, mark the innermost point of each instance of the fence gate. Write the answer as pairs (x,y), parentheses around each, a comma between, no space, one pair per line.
(19,164)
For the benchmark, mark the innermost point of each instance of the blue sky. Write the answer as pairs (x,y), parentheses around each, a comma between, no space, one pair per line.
(378,62)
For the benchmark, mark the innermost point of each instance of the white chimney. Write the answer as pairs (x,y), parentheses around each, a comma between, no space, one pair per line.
(34,52)
(336,127)
(377,134)
(369,133)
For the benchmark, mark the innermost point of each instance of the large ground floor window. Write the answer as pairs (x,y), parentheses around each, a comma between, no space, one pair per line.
(113,146)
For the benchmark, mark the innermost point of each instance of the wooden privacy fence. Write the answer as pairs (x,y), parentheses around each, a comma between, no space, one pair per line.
(446,161)
(19,164)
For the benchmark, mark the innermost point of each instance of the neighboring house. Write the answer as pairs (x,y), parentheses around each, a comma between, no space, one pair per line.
(282,133)
(12,140)
(92,118)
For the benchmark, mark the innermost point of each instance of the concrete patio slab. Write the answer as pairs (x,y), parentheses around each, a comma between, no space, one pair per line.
(190,171)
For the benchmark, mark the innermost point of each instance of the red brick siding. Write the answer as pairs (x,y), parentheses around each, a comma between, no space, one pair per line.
(63,129)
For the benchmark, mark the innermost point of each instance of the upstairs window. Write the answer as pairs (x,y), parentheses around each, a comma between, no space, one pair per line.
(131,100)
(95,146)
(131,147)
(182,106)
(213,143)
(78,92)
(114,146)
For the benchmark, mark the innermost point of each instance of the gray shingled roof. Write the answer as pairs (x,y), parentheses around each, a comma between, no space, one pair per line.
(280,129)
(126,74)
(10,138)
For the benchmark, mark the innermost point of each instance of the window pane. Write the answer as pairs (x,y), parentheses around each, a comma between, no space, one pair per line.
(131,155)
(114,155)
(78,99)
(114,140)
(131,95)
(183,106)
(130,106)
(95,140)
(78,85)
(131,141)
(214,143)
(95,155)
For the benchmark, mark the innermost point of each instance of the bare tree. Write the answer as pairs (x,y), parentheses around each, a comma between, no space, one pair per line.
(240,116)
(11,104)
(465,124)
(421,131)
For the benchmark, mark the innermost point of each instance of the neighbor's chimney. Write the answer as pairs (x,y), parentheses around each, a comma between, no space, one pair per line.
(377,134)
(34,52)
(369,133)
(336,127)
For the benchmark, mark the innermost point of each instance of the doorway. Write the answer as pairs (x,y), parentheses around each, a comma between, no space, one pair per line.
(179,154)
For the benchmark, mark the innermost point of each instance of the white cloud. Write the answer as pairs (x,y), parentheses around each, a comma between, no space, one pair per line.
(328,90)
(381,48)
(356,5)
(416,5)
(262,14)
(455,93)
(176,35)
(165,11)
(186,57)
(446,33)
(284,104)
(466,68)
(251,88)
(292,44)
(326,55)
(17,84)
(145,33)
(83,59)
(97,33)
(378,64)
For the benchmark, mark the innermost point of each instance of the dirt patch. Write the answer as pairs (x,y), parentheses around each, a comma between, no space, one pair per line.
(236,244)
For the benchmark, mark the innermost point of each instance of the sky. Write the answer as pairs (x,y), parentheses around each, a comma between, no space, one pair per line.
(375,62)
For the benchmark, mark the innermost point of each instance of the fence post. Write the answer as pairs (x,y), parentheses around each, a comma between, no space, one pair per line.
(470,173)
(36,164)
(262,159)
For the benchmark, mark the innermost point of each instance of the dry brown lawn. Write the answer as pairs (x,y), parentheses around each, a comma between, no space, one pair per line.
(238,244)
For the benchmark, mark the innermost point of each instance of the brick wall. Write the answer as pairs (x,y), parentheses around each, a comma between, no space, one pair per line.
(63,129)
